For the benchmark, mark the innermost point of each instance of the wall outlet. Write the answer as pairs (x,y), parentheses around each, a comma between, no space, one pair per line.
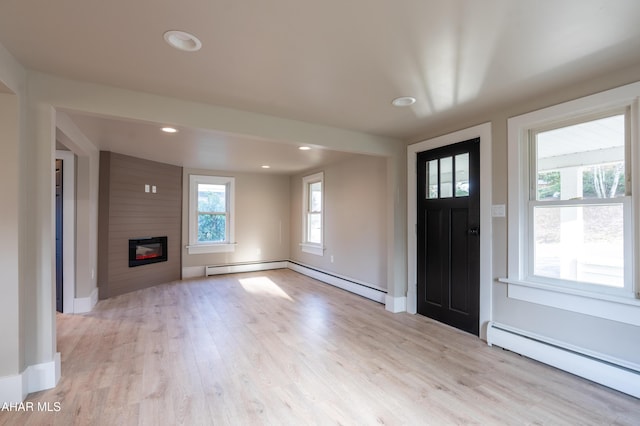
(153,189)
(331,259)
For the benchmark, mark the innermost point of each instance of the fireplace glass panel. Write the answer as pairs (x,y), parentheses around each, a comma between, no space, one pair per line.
(143,251)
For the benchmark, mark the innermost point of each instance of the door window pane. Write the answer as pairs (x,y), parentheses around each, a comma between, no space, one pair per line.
(432,179)
(462,175)
(446,177)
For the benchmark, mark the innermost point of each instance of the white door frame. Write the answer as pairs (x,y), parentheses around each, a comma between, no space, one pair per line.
(483,131)
(68,230)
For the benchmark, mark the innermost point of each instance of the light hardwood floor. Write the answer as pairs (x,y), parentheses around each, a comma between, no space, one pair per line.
(283,349)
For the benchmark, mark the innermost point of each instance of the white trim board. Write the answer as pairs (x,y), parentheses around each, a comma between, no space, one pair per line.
(395,304)
(483,131)
(244,267)
(35,378)
(361,289)
(193,272)
(13,389)
(599,368)
(82,305)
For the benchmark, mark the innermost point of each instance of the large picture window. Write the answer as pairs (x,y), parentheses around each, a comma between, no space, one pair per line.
(312,214)
(211,221)
(573,233)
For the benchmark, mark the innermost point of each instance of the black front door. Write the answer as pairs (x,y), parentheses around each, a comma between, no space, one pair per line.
(449,234)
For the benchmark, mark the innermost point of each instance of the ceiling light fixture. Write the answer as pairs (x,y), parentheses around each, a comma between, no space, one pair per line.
(304,148)
(182,40)
(266,166)
(404,101)
(170,130)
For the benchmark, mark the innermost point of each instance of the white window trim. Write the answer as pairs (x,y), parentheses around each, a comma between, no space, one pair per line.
(306,246)
(194,246)
(602,305)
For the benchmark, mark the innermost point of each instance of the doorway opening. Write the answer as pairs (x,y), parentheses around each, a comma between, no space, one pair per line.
(65,207)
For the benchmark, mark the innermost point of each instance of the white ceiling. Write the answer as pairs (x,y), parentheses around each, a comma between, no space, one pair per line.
(201,149)
(332,62)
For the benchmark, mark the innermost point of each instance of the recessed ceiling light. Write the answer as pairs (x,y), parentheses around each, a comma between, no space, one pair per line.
(170,130)
(304,148)
(182,40)
(404,101)
(266,166)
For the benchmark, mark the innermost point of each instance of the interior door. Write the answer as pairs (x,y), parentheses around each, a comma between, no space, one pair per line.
(59,271)
(448,234)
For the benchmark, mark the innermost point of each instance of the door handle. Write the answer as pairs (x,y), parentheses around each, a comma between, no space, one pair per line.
(474,231)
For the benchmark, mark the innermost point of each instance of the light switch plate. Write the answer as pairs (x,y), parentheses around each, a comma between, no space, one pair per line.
(146,188)
(498,210)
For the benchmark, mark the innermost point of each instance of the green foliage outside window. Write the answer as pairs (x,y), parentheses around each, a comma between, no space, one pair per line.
(212,227)
(599,181)
(548,185)
(603,181)
(212,217)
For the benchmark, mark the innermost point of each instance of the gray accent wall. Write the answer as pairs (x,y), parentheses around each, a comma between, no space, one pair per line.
(128,212)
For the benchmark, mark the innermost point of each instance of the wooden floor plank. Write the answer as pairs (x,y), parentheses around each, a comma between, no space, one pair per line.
(277,347)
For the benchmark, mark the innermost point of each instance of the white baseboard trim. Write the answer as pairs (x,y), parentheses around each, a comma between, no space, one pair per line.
(614,373)
(344,283)
(244,267)
(12,389)
(36,378)
(82,305)
(193,272)
(43,376)
(395,304)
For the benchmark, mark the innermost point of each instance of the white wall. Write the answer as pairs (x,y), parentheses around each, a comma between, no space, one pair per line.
(12,245)
(9,243)
(355,220)
(262,220)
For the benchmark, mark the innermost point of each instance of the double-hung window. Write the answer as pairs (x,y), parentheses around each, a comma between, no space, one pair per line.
(577,203)
(312,214)
(211,221)
(572,223)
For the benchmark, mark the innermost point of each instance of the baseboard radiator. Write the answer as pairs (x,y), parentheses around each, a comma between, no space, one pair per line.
(614,373)
(353,286)
(243,267)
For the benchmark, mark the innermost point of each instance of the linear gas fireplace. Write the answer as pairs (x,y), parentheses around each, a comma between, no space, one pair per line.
(143,251)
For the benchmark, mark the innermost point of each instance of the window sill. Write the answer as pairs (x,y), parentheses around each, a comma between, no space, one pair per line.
(615,308)
(316,249)
(211,248)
